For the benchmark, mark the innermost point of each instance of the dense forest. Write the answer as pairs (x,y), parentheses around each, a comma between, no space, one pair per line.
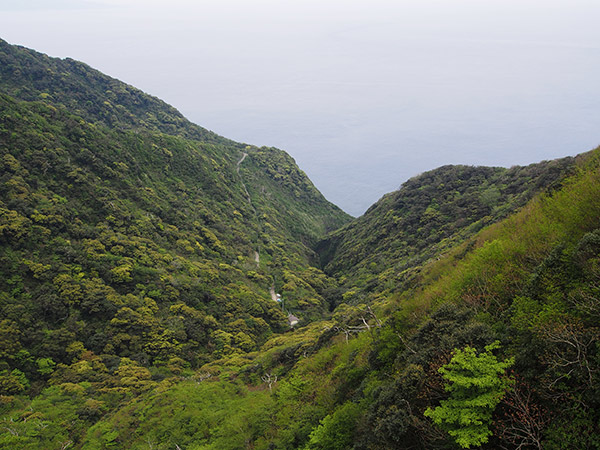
(140,256)
(430,214)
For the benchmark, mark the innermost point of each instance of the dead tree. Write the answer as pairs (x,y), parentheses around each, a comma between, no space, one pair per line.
(569,348)
(524,419)
(270,379)
(354,320)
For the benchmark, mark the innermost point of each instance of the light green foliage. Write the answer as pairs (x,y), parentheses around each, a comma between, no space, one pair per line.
(476,383)
(336,431)
(14,382)
(45,365)
(121,274)
(202,415)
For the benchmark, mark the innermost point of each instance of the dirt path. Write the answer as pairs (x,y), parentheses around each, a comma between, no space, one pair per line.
(273,294)
(241,161)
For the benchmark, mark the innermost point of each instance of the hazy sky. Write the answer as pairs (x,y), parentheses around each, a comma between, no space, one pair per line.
(363,94)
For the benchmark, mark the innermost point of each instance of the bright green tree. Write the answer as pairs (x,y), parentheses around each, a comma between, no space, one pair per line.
(476,383)
(336,431)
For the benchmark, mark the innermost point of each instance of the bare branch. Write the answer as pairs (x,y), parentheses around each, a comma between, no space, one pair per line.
(270,379)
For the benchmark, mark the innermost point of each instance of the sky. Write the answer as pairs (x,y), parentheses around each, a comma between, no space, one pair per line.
(363,94)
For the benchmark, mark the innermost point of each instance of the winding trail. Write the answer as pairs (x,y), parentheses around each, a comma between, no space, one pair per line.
(241,161)
(244,155)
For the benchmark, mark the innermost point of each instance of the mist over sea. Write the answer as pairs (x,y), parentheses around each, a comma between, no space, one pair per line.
(362,95)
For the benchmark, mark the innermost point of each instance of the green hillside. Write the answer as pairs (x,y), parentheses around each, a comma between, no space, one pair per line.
(95,97)
(139,254)
(511,316)
(430,213)
(150,242)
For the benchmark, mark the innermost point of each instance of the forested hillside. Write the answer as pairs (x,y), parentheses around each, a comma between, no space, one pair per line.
(384,249)
(139,254)
(150,242)
(91,95)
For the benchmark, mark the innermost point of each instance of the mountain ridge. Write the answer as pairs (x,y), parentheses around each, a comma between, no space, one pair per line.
(30,75)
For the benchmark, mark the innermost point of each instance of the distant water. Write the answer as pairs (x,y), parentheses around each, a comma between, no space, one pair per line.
(363,96)
(491,103)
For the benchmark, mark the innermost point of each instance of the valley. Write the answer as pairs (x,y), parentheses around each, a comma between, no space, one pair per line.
(141,257)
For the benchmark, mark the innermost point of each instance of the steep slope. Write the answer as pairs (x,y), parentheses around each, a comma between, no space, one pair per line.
(429,214)
(101,100)
(529,282)
(147,240)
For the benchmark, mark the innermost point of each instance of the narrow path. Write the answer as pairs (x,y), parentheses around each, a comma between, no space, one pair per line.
(273,294)
(241,161)
(244,184)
